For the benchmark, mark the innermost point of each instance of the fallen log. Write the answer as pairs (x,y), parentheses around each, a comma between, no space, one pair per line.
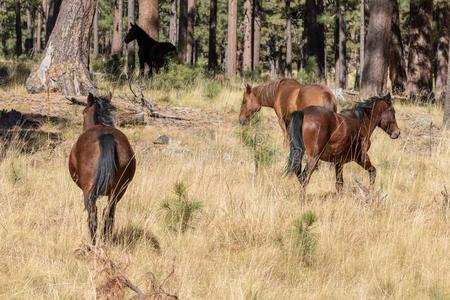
(131,118)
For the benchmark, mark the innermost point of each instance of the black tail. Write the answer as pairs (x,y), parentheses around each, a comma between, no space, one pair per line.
(294,164)
(106,169)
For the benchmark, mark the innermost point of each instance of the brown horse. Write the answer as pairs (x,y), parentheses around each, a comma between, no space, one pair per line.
(285,96)
(338,138)
(101,162)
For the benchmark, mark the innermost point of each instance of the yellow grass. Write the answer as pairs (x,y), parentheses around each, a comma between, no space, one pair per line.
(392,244)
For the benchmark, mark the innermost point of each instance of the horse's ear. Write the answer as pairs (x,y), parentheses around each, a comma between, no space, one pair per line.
(90,99)
(248,88)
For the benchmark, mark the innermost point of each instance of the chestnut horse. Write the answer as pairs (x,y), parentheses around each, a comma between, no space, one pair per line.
(101,162)
(285,96)
(338,138)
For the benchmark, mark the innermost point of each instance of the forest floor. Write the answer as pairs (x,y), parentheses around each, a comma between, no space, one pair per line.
(248,240)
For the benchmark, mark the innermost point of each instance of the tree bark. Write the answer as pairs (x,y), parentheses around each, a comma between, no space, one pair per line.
(116,47)
(212,51)
(149,17)
(182,31)
(38,43)
(341,48)
(18,29)
(130,46)
(231,67)
(52,14)
(288,40)
(256,34)
(447,99)
(420,50)
(190,45)
(64,65)
(247,54)
(315,35)
(397,68)
(442,53)
(30,42)
(374,76)
(173,22)
(362,38)
(95,32)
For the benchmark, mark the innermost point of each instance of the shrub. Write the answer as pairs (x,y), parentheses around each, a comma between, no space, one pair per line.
(308,74)
(177,76)
(180,210)
(304,240)
(212,89)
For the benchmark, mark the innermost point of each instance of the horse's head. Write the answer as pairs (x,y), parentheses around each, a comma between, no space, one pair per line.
(387,117)
(249,106)
(98,111)
(132,34)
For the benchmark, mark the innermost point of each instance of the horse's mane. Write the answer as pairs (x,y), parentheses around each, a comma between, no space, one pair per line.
(267,91)
(360,108)
(144,34)
(103,115)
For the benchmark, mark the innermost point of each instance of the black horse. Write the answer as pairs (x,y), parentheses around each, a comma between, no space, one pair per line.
(151,52)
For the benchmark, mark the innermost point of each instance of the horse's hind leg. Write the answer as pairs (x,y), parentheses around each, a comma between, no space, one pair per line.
(109,213)
(309,169)
(91,208)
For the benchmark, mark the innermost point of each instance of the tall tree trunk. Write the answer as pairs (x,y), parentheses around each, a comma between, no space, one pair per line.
(182,31)
(173,22)
(397,68)
(256,34)
(374,76)
(64,65)
(116,48)
(247,55)
(52,14)
(420,50)
(212,51)
(130,47)
(288,39)
(315,35)
(190,32)
(447,100)
(442,53)
(231,66)
(362,38)
(95,32)
(149,17)
(30,42)
(38,30)
(18,29)
(341,48)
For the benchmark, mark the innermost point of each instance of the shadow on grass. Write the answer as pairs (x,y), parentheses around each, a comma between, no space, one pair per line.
(130,235)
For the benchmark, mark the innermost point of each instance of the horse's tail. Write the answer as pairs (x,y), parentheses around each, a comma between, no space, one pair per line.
(330,102)
(294,164)
(106,168)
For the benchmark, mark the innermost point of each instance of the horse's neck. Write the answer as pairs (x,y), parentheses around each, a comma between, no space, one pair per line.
(262,98)
(371,120)
(144,39)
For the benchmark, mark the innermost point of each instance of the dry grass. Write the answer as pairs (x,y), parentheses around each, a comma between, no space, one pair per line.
(394,246)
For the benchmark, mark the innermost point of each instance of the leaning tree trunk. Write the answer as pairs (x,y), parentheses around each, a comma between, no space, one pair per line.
(397,68)
(247,55)
(315,34)
(374,76)
(173,22)
(64,65)
(420,50)
(256,34)
(288,39)
(52,14)
(341,48)
(231,66)
(116,47)
(442,54)
(212,50)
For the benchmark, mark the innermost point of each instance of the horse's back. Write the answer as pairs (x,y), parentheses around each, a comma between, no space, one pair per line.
(86,152)
(316,94)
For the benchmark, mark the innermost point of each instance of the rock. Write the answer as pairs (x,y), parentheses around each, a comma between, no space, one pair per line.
(422,123)
(162,140)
